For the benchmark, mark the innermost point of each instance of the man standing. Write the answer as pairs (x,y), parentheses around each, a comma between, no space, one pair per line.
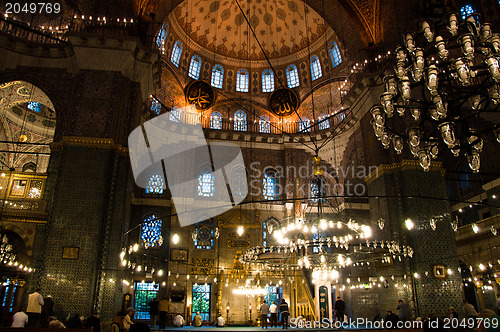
(47,310)
(163,311)
(402,310)
(273,309)
(153,311)
(339,309)
(284,313)
(264,311)
(35,303)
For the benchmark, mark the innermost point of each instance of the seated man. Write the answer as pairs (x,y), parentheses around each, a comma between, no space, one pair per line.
(220,322)
(198,321)
(179,321)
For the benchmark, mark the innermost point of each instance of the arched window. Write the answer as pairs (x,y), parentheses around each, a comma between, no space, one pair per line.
(175,115)
(176,53)
(242,80)
(267,81)
(204,235)
(162,35)
(206,182)
(466,11)
(34,106)
(29,167)
(271,184)
(155,106)
(304,125)
(340,116)
(463,179)
(215,120)
(151,231)
(334,51)
(292,76)
(155,184)
(316,190)
(316,237)
(324,123)
(315,68)
(238,181)
(194,67)
(264,125)
(217,76)
(240,121)
(268,226)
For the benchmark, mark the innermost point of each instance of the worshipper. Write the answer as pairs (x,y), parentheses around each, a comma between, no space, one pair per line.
(220,322)
(20,319)
(55,323)
(284,313)
(47,310)
(391,320)
(453,313)
(163,313)
(403,311)
(35,303)
(197,321)
(75,322)
(339,309)
(127,320)
(468,309)
(153,311)
(264,311)
(273,310)
(179,321)
(94,322)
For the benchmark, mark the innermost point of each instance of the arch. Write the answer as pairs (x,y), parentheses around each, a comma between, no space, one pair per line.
(264,124)
(176,53)
(204,231)
(270,184)
(217,76)
(292,76)
(161,36)
(242,80)
(206,182)
(239,186)
(216,120)
(151,231)
(267,80)
(315,68)
(195,67)
(29,167)
(240,121)
(334,52)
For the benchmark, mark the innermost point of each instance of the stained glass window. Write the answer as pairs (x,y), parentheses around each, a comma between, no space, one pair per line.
(217,76)
(35,106)
(155,184)
(215,120)
(206,182)
(292,76)
(340,116)
(144,292)
(271,184)
(162,35)
(202,295)
(463,179)
(466,11)
(194,67)
(264,125)
(315,68)
(334,51)
(176,53)
(304,125)
(155,106)
(151,231)
(204,235)
(175,115)
(242,80)
(316,237)
(267,81)
(314,191)
(239,181)
(240,121)
(324,123)
(274,294)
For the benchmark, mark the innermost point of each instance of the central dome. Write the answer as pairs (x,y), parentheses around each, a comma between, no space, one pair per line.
(220,27)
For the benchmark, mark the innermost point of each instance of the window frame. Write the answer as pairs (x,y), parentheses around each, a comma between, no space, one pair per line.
(203,181)
(315,67)
(334,52)
(264,125)
(175,57)
(242,75)
(194,73)
(267,80)
(219,120)
(292,76)
(217,81)
(240,121)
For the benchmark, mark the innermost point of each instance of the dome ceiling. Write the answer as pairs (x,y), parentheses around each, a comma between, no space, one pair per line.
(280,25)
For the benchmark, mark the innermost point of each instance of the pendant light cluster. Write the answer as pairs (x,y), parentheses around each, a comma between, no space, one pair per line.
(443,91)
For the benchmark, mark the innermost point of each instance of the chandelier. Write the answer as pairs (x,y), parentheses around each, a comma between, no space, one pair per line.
(443,92)
(6,254)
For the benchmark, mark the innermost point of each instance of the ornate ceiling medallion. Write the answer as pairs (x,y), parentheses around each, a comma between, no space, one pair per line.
(283,102)
(200,94)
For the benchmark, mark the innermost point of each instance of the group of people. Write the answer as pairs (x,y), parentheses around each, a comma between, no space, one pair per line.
(266,309)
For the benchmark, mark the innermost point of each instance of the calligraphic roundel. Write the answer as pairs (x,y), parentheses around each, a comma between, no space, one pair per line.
(200,94)
(283,102)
